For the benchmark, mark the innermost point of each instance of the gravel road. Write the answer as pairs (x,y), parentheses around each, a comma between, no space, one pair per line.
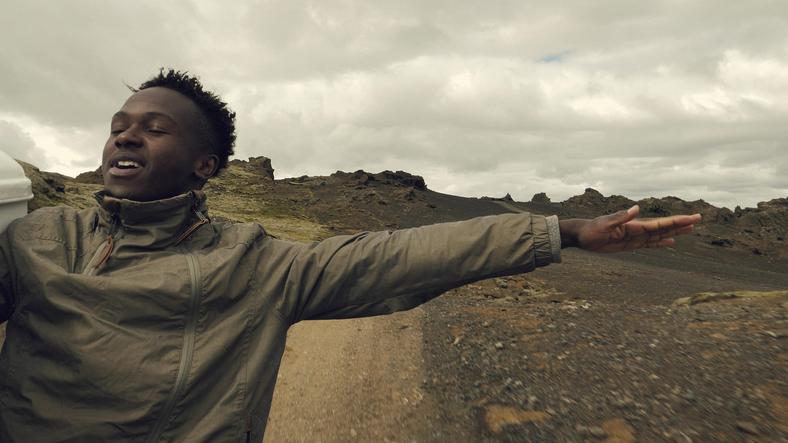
(590,350)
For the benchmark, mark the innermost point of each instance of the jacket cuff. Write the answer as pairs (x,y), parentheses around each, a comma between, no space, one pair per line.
(554,233)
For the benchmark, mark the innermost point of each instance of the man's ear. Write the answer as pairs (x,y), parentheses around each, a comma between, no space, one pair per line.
(206,166)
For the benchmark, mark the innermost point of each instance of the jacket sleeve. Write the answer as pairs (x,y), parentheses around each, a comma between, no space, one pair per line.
(383,272)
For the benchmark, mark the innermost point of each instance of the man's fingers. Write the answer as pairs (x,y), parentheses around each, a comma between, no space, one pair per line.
(659,235)
(614,222)
(658,232)
(628,215)
(622,232)
(661,243)
(668,224)
(685,229)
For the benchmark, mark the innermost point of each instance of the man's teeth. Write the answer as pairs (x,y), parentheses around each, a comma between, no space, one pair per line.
(128,164)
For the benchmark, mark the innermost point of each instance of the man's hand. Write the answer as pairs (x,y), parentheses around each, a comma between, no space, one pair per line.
(621,232)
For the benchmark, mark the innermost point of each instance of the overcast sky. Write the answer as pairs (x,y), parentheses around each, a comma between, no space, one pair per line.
(481,98)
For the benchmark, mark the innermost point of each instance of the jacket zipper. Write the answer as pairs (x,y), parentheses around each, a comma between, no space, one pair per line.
(203,220)
(189,336)
(105,250)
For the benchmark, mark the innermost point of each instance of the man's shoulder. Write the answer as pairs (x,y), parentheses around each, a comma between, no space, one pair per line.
(52,219)
(242,229)
(64,213)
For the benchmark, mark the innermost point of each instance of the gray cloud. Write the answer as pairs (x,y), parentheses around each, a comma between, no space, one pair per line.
(15,142)
(636,98)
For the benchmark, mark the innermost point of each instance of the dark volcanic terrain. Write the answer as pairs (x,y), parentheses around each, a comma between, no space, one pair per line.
(599,348)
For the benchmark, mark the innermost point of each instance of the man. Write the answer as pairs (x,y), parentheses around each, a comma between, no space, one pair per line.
(141,320)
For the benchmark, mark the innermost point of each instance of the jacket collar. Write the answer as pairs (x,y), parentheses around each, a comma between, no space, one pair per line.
(134,212)
(159,221)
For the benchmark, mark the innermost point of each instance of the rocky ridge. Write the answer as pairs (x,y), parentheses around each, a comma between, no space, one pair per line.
(351,201)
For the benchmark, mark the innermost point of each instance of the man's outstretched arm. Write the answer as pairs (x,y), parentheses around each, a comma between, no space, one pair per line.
(622,232)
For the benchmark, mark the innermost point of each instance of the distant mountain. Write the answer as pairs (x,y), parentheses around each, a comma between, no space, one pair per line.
(306,208)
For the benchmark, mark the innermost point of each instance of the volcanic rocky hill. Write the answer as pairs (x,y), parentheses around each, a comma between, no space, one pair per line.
(305,208)
(314,208)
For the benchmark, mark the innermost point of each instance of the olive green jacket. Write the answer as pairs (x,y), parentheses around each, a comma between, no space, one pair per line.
(122,328)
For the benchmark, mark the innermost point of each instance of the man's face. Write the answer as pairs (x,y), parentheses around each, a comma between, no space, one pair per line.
(154,150)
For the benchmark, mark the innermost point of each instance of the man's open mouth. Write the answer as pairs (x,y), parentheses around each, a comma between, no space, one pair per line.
(123,167)
(127,164)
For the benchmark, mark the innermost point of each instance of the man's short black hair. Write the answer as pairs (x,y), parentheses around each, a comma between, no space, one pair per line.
(218,119)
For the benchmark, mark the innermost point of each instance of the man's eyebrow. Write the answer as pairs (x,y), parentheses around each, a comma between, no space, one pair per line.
(149,114)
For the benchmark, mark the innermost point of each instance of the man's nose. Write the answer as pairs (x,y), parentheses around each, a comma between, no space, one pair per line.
(128,138)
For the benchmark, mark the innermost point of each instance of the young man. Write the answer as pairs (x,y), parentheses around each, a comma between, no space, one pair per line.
(140,320)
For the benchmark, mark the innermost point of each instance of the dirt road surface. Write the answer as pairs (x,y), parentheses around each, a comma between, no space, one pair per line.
(588,351)
(357,380)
